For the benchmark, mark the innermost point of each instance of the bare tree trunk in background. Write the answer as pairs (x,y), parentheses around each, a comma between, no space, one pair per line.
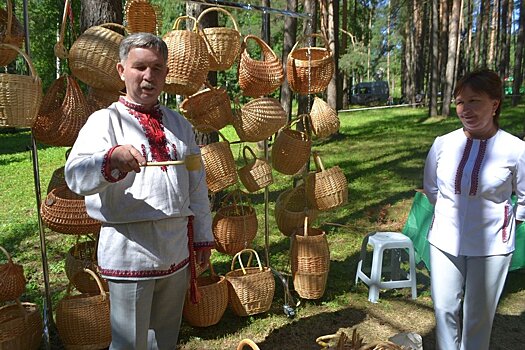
(518,57)
(421,33)
(410,54)
(290,37)
(505,43)
(468,27)
(494,35)
(310,6)
(485,32)
(444,15)
(95,12)
(343,50)
(451,57)
(333,92)
(434,80)
(477,42)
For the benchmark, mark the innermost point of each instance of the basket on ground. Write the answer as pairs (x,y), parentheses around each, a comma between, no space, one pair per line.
(256,174)
(234,224)
(291,207)
(219,164)
(259,119)
(259,77)
(20,95)
(250,289)
(83,255)
(224,44)
(12,279)
(83,320)
(21,326)
(323,119)
(310,69)
(291,148)
(326,189)
(212,304)
(11,32)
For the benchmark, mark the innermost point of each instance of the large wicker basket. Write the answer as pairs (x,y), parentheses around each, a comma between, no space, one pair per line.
(259,119)
(224,44)
(11,32)
(21,326)
(12,279)
(142,16)
(234,224)
(310,69)
(323,119)
(219,164)
(83,255)
(93,57)
(212,304)
(250,289)
(83,320)
(259,77)
(188,59)
(326,189)
(291,148)
(291,207)
(310,257)
(20,95)
(256,174)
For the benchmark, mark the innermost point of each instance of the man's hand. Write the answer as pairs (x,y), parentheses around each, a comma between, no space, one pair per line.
(202,257)
(126,158)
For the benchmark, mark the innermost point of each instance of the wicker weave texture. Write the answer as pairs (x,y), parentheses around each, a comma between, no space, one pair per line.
(259,119)
(12,279)
(93,57)
(62,114)
(259,77)
(290,150)
(234,228)
(99,99)
(255,174)
(212,304)
(21,327)
(11,32)
(327,189)
(323,118)
(83,255)
(219,165)
(142,16)
(291,208)
(208,109)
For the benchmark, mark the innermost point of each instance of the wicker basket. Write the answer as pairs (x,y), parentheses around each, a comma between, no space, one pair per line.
(142,16)
(257,174)
(323,119)
(100,99)
(234,225)
(83,255)
(188,59)
(291,207)
(247,342)
(250,289)
(83,320)
(310,261)
(65,212)
(20,95)
(291,148)
(219,164)
(11,32)
(21,327)
(259,119)
(12,280)
(212,304)
(210,107)
(259,77)
(310,69)
(93,57)
(326,189)
(62,114)
(224,44)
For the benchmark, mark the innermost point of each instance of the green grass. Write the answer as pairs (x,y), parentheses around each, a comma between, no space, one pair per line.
(382,154)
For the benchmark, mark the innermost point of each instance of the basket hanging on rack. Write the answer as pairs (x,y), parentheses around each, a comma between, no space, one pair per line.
(224,44)
(12,279)
(310,257)
(93,57)
(323,119)
(20,95)
(21,326)
(291,148)
(83,320)
(212,304)
(291,207)
(83,255)
(219,164)
(142,16)
(259,77)
(62,114)
(188,59)
(257,174)
(11,32)
(310,69)
(99,99)
(326,189)
(208,107)
(58,177)
(64,211)
(259,119)
(234,225)
(250,289)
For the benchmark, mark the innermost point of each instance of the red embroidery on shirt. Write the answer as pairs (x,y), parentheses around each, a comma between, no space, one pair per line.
(144,273)
(461,166)
(477,166)
(504,231)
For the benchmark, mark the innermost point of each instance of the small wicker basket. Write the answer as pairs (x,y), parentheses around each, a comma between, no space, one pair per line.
(83,255)
(224,44)
(326,189)
(21,326)
(259,119)
(142,16)
(219,164)
(323,119)
(12,279)
(257,174)
(291,207)
(259,77)
(250,289)
(291,148)
(11,32)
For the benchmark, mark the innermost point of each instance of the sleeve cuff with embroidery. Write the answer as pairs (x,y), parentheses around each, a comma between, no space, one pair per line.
(111,175)
(203,245)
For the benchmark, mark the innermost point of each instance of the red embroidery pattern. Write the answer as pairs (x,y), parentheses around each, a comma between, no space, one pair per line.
(461,166)
(145,273)
(504,232)
(106,171)
(477,166)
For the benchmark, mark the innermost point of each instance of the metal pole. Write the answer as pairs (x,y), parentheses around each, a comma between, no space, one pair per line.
(48,308)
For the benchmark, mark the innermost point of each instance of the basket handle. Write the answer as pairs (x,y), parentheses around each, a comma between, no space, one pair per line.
(248,148)
(306,225)
(313,35)
(179,20)
(238,257)
(265,48)
(219,9)
(9,260)
(237,197)
(318,163)
(9,18)
(95,277)
(26,57)
(111,25)
(249,343)
(59,48)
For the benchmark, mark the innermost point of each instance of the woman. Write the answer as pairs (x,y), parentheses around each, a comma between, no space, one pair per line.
(470,175)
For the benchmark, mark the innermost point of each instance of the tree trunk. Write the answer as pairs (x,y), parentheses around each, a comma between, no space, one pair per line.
(310,6)
(477,42)
(95,12)
(343,50)
(518,57)
(485,32)
(451,57)
(290,37)
(333,91)
(468,28)
(434,81)
(494,35)
(504,32)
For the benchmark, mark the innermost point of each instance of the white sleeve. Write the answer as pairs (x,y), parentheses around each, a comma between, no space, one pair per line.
(430,186)
(519,186)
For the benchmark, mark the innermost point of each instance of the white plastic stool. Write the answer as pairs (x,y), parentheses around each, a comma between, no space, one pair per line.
(381,241)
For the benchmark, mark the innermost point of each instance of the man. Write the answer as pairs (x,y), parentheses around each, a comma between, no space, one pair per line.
(154,218)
